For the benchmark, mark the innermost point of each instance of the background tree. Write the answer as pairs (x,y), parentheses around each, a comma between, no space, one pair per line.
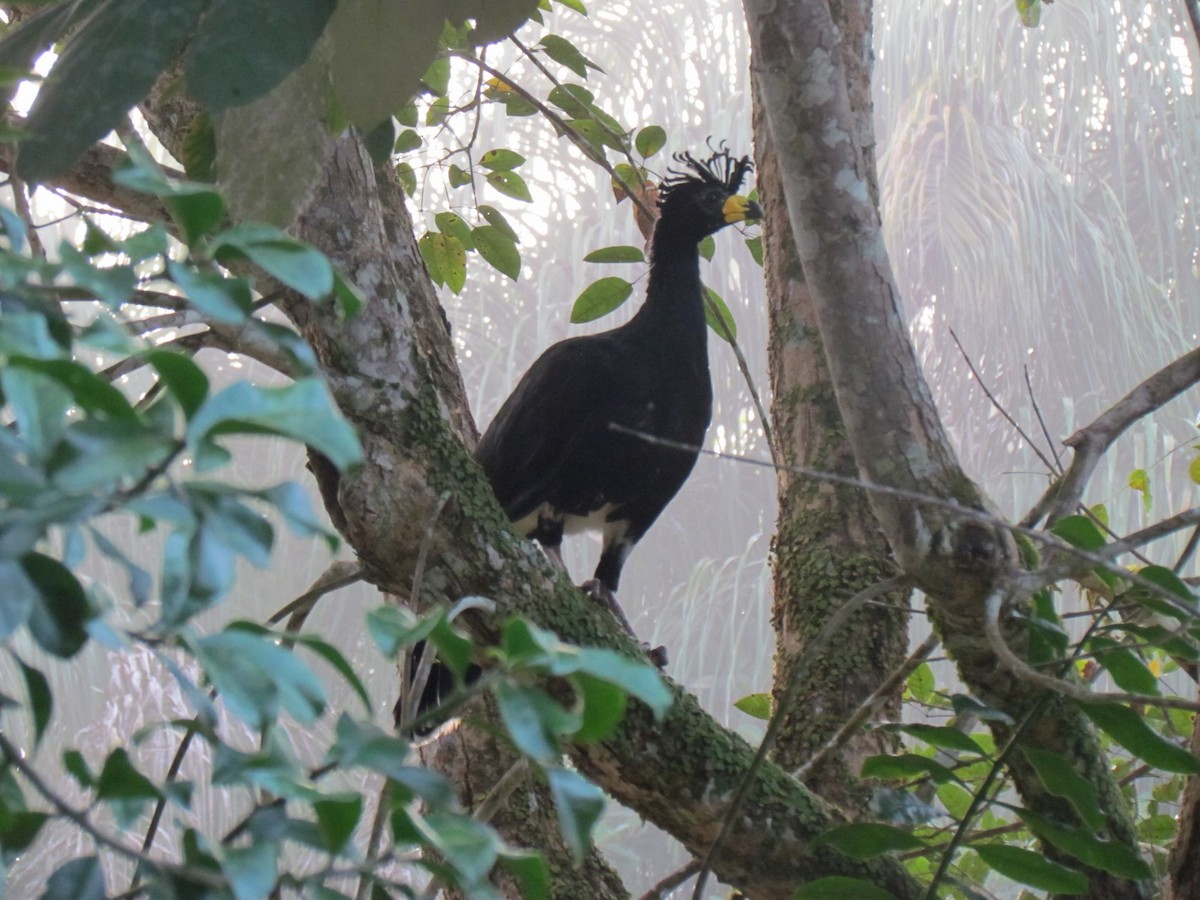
(415,514)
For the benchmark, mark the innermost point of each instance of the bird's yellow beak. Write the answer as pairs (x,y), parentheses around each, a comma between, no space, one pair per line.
(738,208)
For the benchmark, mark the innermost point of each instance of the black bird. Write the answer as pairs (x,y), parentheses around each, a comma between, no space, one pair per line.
(552,454)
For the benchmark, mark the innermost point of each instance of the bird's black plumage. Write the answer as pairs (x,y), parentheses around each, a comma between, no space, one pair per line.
(552,455)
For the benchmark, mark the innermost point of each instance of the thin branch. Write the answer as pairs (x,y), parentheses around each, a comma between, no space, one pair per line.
(672,881)
(1050,466)
(338,575)
(815,647)
(1022,670)
(868,708)
(1037,411)
(1091,442)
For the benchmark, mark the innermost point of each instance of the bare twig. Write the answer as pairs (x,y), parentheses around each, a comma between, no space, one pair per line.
(672,881)
(1091,442)
(1037,411)
(828,631)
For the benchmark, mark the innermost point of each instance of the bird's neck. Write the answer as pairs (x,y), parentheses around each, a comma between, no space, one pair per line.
(674,290)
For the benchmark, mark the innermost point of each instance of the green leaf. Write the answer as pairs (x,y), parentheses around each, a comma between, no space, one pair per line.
(453,225)
(510,184)
(650,140)
(243,48)
(841,887)
(197,208)
(394,627)
(619,254)
(182,377)
(293,504)
(904,766)
(17,598)
(200,149)
(61,612)
(1130,730)
(78,879)
(104,452)
(718,316)
(1033,869)
(458,176)
(757,705)
(125,788)
(87,389)
(337,817)
(224,299)
(18,830)
(498,249)
(75,763)
(531,871)
(501,160)
(407,141)
(603,707)
(1139,480)
(1129,672)
(41,700)
(600,298)
(296,264)
(39,404)
(338,661)
(1174,586)
(470,847)
(252,870)
(940,736)
(533,720)
(455,264)
(1059,777)
(1082,844)
(1079,531)
(754,245)
(302,411)
(567,54)
(106,67)
(579,804)
(255,677)
(573,99)
(864,840)
(494,217)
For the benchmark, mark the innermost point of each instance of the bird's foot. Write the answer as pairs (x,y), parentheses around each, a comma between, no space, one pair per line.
(598,592)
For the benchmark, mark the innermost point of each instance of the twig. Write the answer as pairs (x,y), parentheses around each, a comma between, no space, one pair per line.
(868,708)
(1050,466)
(495,799)
(1091,442)
(1022,670)
(338,575)
(815,647)
(672,881)
(1037,411)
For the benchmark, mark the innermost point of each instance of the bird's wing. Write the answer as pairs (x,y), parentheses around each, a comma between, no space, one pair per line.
(553,410)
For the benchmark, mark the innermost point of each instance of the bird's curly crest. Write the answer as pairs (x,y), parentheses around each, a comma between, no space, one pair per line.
(721,168)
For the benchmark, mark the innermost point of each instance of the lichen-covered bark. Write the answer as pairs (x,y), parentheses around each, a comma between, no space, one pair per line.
(1183,866)
(828,545)
(808,92)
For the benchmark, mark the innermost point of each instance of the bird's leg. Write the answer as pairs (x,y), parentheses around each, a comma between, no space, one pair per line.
(554,553)
(597,590)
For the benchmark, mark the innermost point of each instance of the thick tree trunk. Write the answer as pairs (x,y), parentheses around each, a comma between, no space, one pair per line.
(959,561)
(828,545)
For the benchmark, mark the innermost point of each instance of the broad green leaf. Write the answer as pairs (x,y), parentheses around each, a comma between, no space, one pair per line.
(1173,585)
(494,217)
(106,67)
(600,298)
(501,159)
(1033,869)
(498,249)
(255,677)
(337,817)
(1079,531)
(407,141)
(1139,480)
(18,829)
(841,887)
(200,149)
(1082,843)
(756,705)
(17,599)
(864,840)
(1030,12)
(252,870)
(104,452)
(41,700)
(519,710)
(338,661)
(1129,672)
(1130,730)
(78,879)
(140,582)
(303,411)
(580,805)
(1194,470)
(510,184)
(218,297)
(921,683)
(469,846)
(603,707)
(458,176)
(243,48)
(456,264)
(718,316)
(453,225)
(1059,777)
(124,788)
(567,54)
(619,254)
(38,403)
(573,99)
(394,627)
(432,247)
(650,140)
(940,736)
(904,766)
(89,391)
(183,378)
(293,504)
(61,611)
(531,872)
(296,264)
(755,246)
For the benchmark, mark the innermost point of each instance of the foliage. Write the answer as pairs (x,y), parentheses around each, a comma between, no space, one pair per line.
(80,454)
